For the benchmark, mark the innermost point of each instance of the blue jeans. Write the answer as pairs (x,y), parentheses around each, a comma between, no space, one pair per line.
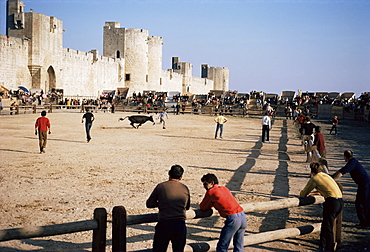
(88,127)
(234,227)
(219,127)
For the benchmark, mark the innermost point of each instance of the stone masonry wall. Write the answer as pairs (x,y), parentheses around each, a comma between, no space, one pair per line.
(13,62)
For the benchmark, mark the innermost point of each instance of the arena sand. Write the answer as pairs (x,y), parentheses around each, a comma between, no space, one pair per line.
(121,166)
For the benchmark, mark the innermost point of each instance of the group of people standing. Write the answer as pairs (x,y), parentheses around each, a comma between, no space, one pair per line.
(326,185)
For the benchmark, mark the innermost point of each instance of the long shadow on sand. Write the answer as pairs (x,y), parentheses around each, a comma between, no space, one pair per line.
(280,186)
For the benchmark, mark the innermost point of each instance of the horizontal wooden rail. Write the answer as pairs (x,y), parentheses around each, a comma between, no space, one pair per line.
(98,225)
(257,238)
(253,238)
(57,229)
(248,208)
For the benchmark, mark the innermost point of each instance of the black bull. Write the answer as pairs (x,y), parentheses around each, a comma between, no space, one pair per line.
(140,119)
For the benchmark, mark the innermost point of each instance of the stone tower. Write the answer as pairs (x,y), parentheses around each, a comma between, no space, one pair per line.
(142,54)
(45,40)
(220,76)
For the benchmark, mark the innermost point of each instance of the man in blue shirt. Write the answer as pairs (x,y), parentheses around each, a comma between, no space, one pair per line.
(362,179)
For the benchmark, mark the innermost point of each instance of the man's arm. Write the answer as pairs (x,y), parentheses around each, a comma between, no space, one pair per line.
(337,175)
(206,203)
(36,126)
(307,189)
(49,126)
(188,204)
(152,201)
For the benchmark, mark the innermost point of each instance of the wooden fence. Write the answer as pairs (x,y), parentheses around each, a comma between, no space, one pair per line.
(120,221)
(119,213)
(98,225)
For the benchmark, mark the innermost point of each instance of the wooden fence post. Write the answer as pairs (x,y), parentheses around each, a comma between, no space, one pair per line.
(17,109)
(99,234)
(34,108)
(119,223)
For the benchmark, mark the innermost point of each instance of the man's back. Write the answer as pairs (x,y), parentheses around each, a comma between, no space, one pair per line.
(308,128)
(42,123)
(172,199)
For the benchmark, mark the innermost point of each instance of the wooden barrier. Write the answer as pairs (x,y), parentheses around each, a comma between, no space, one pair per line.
(120,220)
(195,214)
(98,225)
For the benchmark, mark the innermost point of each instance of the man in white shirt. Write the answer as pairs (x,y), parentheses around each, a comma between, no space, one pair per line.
(266,126)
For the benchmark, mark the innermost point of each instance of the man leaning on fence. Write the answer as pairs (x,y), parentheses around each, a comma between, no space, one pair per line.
(228,207)
(362,179)
(172,199)
(332,206)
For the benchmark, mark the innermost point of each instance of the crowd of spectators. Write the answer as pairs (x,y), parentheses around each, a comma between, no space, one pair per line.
(228,100)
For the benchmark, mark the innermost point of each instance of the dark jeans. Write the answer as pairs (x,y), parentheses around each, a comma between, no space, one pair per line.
(219,127)
(166,231)
(332,207)
(334,127)
(265,132)
(362,204)
(88,127)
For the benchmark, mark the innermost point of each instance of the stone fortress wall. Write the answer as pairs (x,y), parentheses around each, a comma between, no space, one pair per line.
(32,55)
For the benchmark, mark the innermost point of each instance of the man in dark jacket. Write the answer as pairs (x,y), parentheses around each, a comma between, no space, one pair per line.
(362,179)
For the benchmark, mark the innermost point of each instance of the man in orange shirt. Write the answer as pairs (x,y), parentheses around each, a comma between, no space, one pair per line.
(221,198)
(42,126)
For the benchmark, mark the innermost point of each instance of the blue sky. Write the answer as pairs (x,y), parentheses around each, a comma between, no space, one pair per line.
(271,46)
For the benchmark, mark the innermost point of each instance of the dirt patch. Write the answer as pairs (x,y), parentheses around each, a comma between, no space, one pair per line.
(121,166)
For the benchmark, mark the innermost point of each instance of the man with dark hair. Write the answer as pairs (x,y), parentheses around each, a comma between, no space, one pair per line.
(319,142)
(266,127)
(42,126)
(332,206)
(362,179)
(225,203)
(307,136)
(172,199)
(89,118)
(335,123)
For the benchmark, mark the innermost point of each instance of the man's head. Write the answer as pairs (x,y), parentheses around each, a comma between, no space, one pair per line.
(317,129)
(87,110)
(176,172)
(315,167)
(209,180)
(43,113)
(348,154)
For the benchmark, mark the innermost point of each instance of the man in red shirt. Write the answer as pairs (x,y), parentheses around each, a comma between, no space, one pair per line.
(42,126)
(221,198)
(319,142)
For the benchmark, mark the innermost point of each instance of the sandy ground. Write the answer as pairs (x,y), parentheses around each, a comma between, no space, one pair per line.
(122,165)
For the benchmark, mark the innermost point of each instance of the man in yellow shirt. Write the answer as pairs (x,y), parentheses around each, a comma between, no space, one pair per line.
(332,206)
(220,120)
